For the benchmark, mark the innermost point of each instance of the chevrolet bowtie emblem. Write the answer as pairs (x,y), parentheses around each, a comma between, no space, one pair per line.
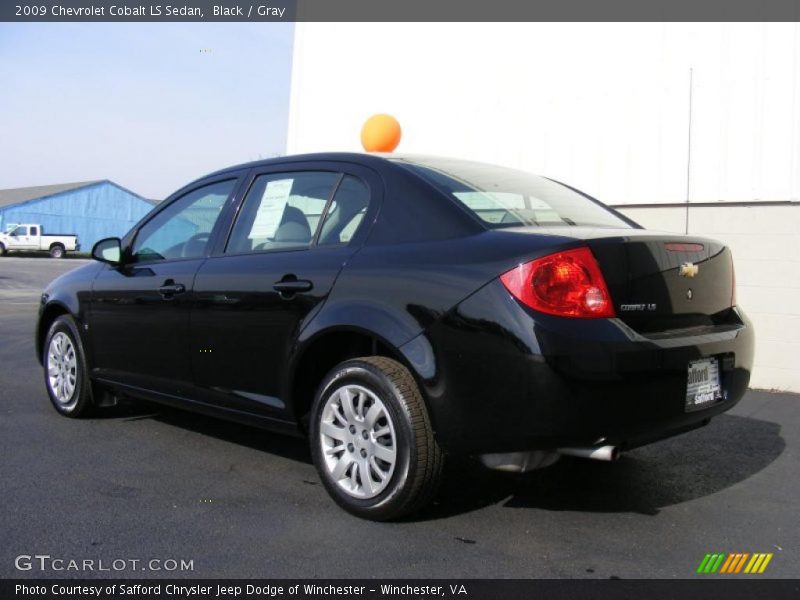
(689,270)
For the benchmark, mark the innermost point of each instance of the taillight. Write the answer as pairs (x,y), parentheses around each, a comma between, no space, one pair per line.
(566,284)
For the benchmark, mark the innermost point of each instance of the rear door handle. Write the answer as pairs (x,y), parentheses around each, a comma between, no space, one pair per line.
(289,287)
(168,290)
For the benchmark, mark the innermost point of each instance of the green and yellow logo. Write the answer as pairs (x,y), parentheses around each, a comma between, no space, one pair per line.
(731,564)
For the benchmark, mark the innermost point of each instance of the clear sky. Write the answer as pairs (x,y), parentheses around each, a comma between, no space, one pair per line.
(150,106)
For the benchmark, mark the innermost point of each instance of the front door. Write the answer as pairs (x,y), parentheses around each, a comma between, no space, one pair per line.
(287,247)
(139,315)
(21,239)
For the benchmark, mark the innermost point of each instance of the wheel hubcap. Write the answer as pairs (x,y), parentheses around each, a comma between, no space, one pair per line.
(62,369)
(358,441)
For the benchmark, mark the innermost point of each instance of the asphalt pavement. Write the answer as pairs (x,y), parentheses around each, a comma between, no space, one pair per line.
(142,482)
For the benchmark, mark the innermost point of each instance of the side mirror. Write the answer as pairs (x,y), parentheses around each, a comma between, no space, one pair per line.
(108,251)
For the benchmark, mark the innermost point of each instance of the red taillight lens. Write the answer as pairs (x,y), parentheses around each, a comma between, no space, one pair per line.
(566,284)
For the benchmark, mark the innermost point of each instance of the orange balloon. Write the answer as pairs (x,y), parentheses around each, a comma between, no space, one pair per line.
(380,133)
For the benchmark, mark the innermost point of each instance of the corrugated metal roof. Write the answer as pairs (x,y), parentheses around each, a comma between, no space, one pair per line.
(18,195)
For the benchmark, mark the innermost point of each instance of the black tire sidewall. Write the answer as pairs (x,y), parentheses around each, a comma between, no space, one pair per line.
(65,324)
(396,492)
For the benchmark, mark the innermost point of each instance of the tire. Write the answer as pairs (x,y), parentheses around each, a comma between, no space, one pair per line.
(354,464)
(2,250)
(57,251)
(66,373)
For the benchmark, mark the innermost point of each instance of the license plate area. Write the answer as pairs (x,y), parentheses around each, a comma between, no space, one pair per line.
(703,384)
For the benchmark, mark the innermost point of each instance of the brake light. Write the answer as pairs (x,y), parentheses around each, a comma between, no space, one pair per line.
(682,247)
(565,284)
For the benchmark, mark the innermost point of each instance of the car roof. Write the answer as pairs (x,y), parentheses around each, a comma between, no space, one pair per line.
(356,157)
(369,159)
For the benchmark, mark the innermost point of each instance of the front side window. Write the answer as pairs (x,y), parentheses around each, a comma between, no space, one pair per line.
(281,211)
(183,229)
(20,231)
(503,197)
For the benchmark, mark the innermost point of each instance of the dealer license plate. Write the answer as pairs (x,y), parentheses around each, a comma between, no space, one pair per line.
(702,384)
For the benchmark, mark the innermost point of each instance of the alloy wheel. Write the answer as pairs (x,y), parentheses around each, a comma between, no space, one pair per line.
(62,369)
(358,441)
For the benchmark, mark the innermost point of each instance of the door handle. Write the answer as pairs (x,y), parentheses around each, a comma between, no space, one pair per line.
(170,289)
(290,285)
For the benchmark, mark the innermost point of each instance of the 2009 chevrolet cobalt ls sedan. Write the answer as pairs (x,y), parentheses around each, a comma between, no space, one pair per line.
(397,309)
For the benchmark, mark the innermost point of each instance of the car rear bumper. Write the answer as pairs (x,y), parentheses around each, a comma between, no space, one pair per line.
(507,379)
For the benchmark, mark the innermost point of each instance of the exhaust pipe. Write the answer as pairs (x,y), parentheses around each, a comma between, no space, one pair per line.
(608,453)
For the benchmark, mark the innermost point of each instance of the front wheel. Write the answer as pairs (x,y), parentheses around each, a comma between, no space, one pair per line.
(2,250)
(57,251)
(372,441)
(66,374)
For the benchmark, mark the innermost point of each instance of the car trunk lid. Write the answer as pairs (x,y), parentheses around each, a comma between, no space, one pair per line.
(658,281)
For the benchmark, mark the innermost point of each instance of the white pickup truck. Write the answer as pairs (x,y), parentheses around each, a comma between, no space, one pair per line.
(32,238)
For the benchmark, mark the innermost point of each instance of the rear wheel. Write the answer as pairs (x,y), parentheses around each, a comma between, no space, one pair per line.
(57,251)
(372,440)
(65,371)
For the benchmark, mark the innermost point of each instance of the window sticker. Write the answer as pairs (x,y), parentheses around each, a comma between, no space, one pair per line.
(270,211)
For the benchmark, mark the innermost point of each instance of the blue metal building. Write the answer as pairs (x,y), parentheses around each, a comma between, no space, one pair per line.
(92,210)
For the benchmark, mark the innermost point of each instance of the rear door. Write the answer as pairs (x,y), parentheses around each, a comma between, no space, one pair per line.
(139,317)
(35,238)
(294,231)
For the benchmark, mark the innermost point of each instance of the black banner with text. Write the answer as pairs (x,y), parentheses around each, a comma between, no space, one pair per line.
(406,11)
(371,589)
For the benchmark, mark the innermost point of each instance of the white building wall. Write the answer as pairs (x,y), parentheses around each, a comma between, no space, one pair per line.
(604,107)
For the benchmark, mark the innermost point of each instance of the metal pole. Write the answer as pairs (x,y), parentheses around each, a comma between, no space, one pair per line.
(689,151)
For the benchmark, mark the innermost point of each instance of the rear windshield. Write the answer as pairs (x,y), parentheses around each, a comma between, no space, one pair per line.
(504,197)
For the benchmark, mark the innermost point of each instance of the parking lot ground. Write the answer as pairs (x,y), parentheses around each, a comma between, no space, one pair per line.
(142,482)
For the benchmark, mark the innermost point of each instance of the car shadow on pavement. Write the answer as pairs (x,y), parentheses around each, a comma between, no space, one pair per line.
(694,465)
(697,464)
(285,446)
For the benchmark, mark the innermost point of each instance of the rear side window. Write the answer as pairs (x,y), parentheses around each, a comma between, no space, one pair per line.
(345,213)
(503,197)
(281,211)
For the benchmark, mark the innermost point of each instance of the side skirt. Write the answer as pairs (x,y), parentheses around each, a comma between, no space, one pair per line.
(212,410)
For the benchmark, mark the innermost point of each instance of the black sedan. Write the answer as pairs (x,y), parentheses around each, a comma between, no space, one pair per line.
(398,309)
